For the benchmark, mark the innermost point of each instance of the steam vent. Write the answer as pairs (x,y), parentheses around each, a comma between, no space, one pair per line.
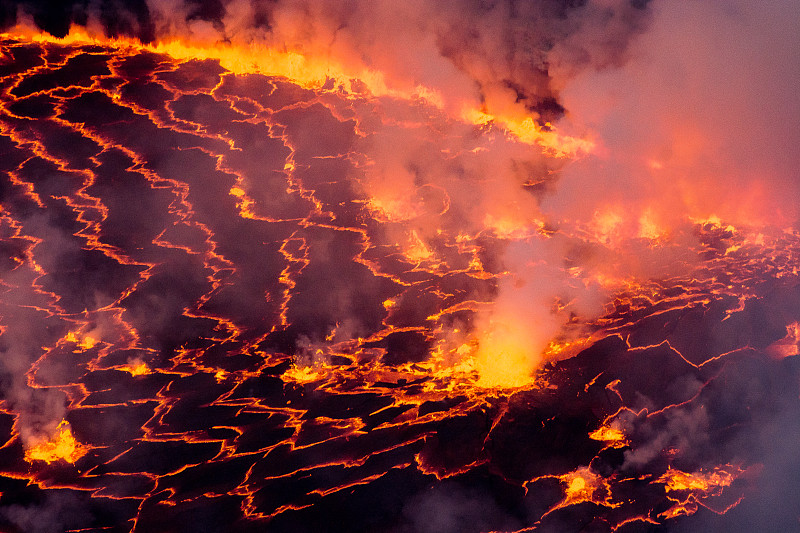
(301,266)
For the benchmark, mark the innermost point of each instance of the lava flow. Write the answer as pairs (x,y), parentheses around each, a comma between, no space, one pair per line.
(288,266)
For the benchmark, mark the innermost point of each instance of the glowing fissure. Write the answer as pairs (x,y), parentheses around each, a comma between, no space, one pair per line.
(277,286)
(317,72)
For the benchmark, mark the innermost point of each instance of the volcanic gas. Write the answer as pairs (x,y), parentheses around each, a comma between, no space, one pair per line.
(362,266)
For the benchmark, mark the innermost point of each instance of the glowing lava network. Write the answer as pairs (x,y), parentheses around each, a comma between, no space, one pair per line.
(446,267)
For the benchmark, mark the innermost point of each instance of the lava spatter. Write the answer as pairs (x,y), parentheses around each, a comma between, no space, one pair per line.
(62,446)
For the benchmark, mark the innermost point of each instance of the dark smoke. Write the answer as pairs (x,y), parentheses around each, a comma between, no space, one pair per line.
(495,52)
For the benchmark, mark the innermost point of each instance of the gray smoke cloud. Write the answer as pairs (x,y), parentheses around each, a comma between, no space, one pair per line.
(701,119)
(498,53)
(58,511)
(675,103)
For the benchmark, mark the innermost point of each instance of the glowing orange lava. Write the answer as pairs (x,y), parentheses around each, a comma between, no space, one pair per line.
(688,490)
(136,369)
(61,447)
(584,485)
(314,71)
(369,339)
(611,435)
(83,342)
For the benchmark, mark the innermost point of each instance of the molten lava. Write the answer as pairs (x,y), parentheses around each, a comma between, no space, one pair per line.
(60,447)
(583,485)
(688,491)
(269,275)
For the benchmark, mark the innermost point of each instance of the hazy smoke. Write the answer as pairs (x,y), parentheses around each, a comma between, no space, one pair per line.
(691,120)
(691,103)
(495,53)
(25,330)
(702,119)
(58,511)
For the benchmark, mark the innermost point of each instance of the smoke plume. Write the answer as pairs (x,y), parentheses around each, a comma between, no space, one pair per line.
(687,125)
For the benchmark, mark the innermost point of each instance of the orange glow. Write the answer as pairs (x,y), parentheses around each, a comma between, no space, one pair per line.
(61,446)
(417,250)
(689,490)
(244,204)
(393,209)
(241,58)
(789,345)
(584,485)
(675,480)
(367,313)
(611,435)
(649,227)
(561,349)
(607,225)
(136,369)
(503,358)
(577,489)
(715,222)
(314,70)
(528,131)
(508,226)
(84,342)
(303,374)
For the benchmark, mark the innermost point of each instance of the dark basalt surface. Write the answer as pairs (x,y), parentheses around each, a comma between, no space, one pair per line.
(115,177)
